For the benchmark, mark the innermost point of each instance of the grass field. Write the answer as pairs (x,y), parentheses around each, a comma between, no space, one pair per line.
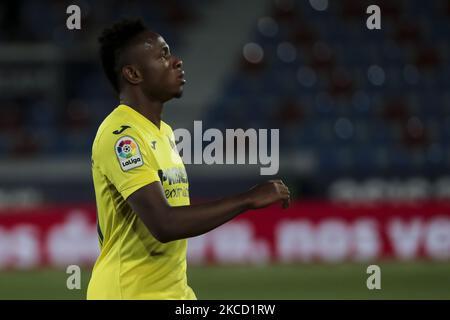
(419,280)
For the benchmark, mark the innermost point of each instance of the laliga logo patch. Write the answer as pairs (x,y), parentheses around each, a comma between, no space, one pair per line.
(128,153)
(126,149)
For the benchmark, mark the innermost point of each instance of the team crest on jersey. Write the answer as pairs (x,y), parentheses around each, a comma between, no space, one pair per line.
(128,153)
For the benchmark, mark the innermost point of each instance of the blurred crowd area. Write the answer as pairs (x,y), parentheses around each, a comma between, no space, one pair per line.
(43,21)
(38,115)
(365,103)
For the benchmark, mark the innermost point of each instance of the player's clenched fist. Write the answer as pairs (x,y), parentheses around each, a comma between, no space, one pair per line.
(266,193)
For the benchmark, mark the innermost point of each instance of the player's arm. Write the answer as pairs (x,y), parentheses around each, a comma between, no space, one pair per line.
(168,223)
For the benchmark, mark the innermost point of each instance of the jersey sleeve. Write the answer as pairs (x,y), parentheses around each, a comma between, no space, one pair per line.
(127,161)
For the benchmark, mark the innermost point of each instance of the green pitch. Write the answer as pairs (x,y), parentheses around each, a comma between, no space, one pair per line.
(418,280)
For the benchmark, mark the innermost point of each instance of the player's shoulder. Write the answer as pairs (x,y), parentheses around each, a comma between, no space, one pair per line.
(166,128)
(118,141)
(115,127)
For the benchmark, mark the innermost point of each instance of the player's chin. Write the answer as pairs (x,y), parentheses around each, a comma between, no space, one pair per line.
(179,93)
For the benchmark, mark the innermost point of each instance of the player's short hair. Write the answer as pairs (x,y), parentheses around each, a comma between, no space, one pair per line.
(113,40)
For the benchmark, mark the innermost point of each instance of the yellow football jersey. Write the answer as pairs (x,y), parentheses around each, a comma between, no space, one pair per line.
(129,152)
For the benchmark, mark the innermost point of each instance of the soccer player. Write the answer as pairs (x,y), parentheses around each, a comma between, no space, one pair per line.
(141,188)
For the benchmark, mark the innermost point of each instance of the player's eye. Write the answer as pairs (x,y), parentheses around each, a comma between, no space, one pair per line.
(165,52)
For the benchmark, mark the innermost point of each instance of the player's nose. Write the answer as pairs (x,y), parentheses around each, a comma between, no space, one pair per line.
(177,63)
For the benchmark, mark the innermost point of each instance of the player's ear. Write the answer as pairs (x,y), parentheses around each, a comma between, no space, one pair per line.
(131,74)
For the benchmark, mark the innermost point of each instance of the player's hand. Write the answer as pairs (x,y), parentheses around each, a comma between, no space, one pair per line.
(264,194)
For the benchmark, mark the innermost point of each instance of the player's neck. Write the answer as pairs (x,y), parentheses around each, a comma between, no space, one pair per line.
(151,109)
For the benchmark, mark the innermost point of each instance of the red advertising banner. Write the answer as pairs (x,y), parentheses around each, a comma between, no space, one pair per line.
(48,235)
(307,231)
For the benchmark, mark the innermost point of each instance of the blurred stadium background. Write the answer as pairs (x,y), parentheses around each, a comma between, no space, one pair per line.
(364,119)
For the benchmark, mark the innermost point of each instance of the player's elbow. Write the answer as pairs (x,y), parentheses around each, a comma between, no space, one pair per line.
(161,231)
(161,235)
(164,239)
(157,223)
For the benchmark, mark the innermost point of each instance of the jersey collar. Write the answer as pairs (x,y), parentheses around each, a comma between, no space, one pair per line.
(129,110)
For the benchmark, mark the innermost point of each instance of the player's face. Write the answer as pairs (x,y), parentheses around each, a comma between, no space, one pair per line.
(163,77)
